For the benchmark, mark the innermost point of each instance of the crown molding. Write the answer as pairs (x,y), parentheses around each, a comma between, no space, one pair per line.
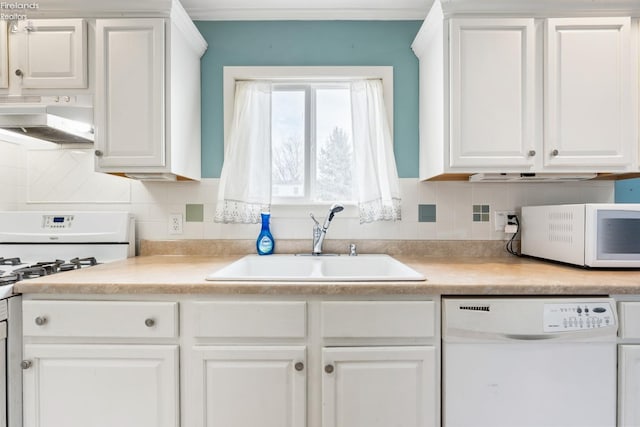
(311,14)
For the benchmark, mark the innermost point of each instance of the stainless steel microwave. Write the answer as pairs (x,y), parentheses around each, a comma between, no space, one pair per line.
(602,235)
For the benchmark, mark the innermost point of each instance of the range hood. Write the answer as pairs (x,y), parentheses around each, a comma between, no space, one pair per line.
(530,177)
(52,123)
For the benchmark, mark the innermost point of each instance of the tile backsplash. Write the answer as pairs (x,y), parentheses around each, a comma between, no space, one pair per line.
(12,176)
(431,210)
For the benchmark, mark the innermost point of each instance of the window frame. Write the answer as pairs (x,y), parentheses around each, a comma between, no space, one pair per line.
(305,74)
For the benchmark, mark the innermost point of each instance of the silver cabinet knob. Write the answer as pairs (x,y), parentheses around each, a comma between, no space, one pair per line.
(150,322)
(19,72)
(555,152)
(98,153)
(26,364)
(532,153)
(41,320)
(328,369)
(299,366)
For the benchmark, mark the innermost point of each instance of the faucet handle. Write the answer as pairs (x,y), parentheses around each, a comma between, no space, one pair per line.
(314,219)
(352,250)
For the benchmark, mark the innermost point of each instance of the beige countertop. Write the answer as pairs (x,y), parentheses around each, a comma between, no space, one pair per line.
(177,274)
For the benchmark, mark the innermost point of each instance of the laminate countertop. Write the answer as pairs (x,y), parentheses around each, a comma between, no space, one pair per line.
(178,274)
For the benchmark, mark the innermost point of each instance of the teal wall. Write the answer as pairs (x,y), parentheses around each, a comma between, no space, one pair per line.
(628,191)
(300,43)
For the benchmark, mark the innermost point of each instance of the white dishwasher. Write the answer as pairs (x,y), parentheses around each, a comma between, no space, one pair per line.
(529,362)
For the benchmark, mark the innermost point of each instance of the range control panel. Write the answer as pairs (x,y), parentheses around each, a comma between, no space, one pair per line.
(56,222)
(566,317)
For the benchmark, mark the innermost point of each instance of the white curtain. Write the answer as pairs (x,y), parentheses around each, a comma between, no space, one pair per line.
(376,175)
(245,181)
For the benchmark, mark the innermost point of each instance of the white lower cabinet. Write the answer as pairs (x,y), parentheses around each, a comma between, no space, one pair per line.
(379,387)
(249,386)
(230,362)
(629,363)
(100,363)
(629,385)
(100,385)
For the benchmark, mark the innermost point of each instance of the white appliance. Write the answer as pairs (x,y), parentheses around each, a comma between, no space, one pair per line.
(34,244)
(529,362)
(591,235)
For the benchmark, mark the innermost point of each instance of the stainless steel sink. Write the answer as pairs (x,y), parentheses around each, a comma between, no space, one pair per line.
(295,268)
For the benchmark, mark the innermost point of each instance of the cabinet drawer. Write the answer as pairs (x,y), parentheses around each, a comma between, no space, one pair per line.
(378,319)
(629,319)
(100,319)
(250,319)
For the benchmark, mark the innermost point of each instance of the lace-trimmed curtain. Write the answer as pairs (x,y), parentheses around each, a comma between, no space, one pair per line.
(245,181)
(377,182)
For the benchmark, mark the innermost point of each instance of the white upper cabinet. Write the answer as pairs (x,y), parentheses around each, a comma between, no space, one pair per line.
(4,56)
(527,95)
(589,114)
(48,54)
(147,109)
(130,92)
(492,92)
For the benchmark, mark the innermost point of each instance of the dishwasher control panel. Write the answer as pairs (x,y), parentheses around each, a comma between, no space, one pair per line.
(566,317)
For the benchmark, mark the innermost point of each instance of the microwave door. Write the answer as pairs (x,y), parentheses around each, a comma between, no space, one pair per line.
(613,239)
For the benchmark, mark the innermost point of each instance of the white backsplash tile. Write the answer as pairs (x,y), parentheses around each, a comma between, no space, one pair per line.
(12,176)
(67,176)
(64,180)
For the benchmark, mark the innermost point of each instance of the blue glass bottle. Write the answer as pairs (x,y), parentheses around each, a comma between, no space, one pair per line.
(265,243)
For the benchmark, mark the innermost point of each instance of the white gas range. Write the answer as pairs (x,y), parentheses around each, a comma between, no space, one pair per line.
(35,244)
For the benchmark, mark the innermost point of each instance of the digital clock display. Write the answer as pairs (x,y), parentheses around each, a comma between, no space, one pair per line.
(57,219)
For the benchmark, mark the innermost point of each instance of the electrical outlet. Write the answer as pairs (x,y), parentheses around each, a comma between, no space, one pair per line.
(175,223)
(500,219)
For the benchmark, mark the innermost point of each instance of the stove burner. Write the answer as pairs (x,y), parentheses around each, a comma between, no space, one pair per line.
(39,269)
(69,267)
(10,279)
(31,272)
(50,266)
(89,261)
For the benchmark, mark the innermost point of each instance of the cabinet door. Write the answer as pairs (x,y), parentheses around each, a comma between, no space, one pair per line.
(4,56)
(49,53)
(379,387)
(629,385)
(588,93)
(248,386)
(101,386)
(492,93)
(130,93)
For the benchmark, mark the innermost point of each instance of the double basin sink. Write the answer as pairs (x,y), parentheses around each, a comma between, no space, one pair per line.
(296,268)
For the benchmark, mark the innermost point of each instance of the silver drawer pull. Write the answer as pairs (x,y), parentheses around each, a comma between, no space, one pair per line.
(328,369)
(26,364)
(299,366)
(150,322)
(41,320)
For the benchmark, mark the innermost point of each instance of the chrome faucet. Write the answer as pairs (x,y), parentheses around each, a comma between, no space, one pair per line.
(319,231)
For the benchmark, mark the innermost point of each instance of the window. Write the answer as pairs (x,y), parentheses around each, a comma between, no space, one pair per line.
(312,144)
(308,135)
(308,103)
